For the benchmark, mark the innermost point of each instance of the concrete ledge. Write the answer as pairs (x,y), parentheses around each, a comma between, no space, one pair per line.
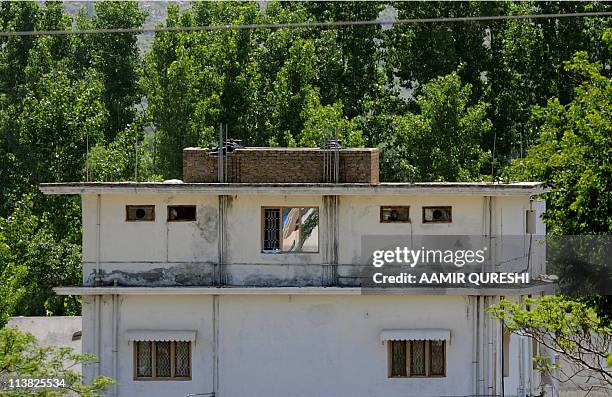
(441,188)
(83,291)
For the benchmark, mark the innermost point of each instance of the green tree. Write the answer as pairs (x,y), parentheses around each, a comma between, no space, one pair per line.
(572,157)
(34,260)
(568,328)
(22,357)
(440,142)
(349,58)
(116,57)
(572,154)
(526,69)
(322,122)
(259,83)
(15,16)
(183,81)
(512,65)
(418,53)
(59,118)
(128,157)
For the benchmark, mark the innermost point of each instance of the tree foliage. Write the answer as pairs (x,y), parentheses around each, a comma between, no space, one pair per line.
(443,138)
(512,65)
(568,328)
(572,154)
(262,84)
(60,96)
(34,260)
(22,357)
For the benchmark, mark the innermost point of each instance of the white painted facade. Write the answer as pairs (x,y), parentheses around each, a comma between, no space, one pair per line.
(259,338)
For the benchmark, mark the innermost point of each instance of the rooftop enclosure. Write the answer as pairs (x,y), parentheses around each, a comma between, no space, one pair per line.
(282,165)
(282,218)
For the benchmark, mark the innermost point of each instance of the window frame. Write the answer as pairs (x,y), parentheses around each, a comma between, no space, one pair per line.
(450,210)
(383,207)
(262,230)
(153,376)
(127,212)
(195,212)
(408,364)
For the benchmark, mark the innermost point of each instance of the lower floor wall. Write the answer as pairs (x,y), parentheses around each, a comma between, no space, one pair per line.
(304,345)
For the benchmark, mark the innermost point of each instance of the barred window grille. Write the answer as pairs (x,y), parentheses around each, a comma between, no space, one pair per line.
(398,358)
(417,358)
(162,360)
(183,359)
(143,358)
(271,229)
(437,357)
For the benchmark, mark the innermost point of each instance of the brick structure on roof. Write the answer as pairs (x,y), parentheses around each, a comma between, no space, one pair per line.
(282,165)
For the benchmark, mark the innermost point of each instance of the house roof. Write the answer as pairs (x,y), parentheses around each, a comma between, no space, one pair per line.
(385,188)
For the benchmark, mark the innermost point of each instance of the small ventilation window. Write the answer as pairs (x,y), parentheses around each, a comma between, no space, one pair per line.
(437,215)
(394,214)
(181,213)
(140,212)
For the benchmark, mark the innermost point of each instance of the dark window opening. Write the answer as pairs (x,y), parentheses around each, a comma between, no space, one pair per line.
(437,215)
(394,213)
(178,213)
(140,212)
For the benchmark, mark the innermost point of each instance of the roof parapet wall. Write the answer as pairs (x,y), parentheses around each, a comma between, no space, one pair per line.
(282,165)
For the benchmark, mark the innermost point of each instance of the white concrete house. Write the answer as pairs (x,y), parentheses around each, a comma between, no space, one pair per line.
(251,287)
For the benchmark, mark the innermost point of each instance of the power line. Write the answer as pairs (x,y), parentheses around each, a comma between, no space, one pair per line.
(296,25)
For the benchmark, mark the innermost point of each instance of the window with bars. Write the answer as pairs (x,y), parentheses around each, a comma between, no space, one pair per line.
(290,229)
(161,360)
(417,358)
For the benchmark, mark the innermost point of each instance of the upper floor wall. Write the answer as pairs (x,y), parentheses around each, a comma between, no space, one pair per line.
(229,240)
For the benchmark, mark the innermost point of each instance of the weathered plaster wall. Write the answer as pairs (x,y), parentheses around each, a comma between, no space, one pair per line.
(184,253)
(156,241)
(291,345)
(151,313)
